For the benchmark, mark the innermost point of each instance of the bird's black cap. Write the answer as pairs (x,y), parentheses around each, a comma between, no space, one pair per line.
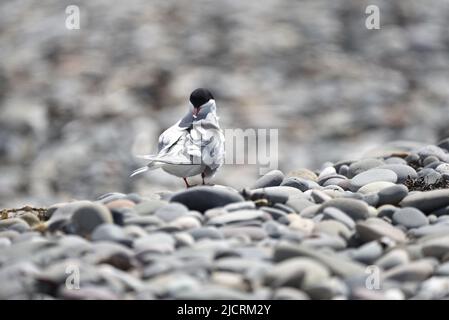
(200,96)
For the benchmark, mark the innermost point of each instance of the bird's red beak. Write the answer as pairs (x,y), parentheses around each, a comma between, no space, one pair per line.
(195,112)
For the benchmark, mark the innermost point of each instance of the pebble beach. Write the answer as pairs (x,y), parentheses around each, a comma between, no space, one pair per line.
(369,228)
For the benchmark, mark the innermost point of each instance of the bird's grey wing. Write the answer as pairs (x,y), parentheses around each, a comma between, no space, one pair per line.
(208,138)
(170,137)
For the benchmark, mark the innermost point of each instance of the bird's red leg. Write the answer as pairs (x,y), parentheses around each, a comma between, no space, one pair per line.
(187,184)
(202,176)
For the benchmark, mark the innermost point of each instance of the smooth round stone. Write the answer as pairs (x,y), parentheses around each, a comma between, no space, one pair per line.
(368,252)
(254,233)
(436,247)
(185,223)
(412,158)
(211,292)
(133,231)
(300,183)
(336,177)
(298,204)
(110,232)
(338,215)
(271,179)
(146,208)
(4,242)
(344,170)
(284,208)
(319,196)
(333,228)
(443,270)
(403,171)
(375,187)
(144,221)
(429,160)
(229,279)
(430,230)
(238,216)
(335,182)
(410,218)
(327,172)
(413,271)
(392,195)
(240,206)
(433,151)
(434,288)
(240,265)
(134,197)
(310,211)
(373,175)
(206,233)
(392,259)
(304,174)
(279,194)
(323,240)
(120,203)
(183,239)
(204,197)
(329,289)
(386,210)
(156,242)
(440,212)
(363,165)
(274,213)
(274,229)
(338,265)
(443,168)
(302,224)
(356,209)
(374,229)
(171,212)
(298,273)
(64,211)
(287,293)
(86,218)
(372,199)
(427,201)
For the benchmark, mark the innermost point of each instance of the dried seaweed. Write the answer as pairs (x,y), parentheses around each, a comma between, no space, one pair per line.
(420,184)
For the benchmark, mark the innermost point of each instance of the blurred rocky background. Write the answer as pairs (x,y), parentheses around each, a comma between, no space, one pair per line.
(77,105)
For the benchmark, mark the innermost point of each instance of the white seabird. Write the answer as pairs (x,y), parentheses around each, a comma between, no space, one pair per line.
(192,146)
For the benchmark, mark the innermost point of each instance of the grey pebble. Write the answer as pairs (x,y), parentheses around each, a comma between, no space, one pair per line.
(110,232)
(237,216)
(204,197)
(299,183)
(375,228)
(337,214)
(270,179)
(392,195)
(356,209)
(298,272)
(149,207)
(410,218)
(363,165)
(171,211)
(373,175)
(427,201)
(87,217)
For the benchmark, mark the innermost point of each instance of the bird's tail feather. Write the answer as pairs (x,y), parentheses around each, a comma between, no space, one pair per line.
(147,157)
(150,166)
